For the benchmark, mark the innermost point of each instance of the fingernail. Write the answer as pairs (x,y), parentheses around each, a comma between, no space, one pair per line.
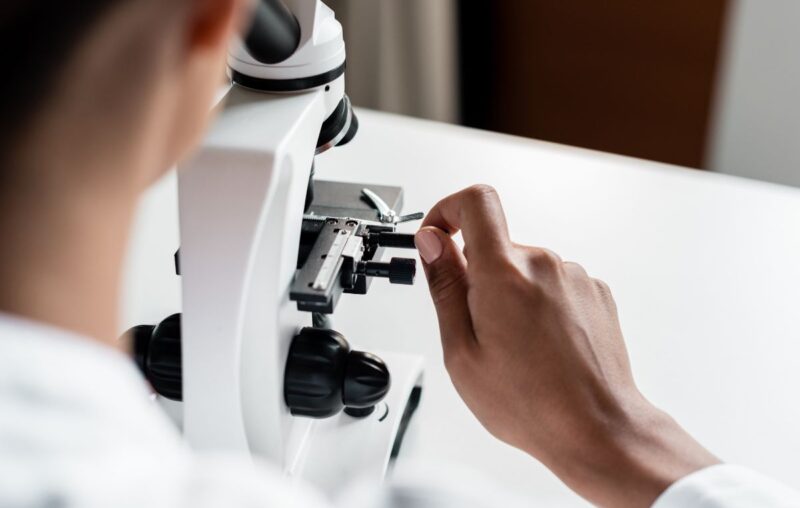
(428,245)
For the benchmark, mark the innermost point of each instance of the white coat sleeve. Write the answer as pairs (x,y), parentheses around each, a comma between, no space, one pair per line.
(728,486)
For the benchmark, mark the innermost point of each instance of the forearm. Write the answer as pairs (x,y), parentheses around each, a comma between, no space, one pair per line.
(630,459)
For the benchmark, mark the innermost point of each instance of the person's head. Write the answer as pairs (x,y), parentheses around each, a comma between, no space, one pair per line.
(106,92)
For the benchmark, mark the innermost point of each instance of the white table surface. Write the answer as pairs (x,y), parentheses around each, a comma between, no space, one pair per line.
(705,269)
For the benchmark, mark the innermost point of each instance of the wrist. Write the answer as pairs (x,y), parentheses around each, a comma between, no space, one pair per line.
(631,458)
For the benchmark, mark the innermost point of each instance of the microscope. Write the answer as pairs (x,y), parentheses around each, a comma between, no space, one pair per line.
(252,363)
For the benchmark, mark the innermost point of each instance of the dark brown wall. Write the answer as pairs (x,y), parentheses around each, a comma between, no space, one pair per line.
(626,76)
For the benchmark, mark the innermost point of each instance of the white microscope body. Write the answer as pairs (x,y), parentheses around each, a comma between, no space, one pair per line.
(242,208)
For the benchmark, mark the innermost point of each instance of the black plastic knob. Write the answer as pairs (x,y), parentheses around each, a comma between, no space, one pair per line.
(314,373)
(157,353)
(366,380)
(398,270)
(140,337)
(402,271)
(323,375)
(393,239)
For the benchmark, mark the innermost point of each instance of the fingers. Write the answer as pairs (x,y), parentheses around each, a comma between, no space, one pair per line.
(476,212)
(446,270)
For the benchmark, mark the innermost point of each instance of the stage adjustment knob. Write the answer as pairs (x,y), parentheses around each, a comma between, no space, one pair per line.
(157,353)
(398,270)
(323,376)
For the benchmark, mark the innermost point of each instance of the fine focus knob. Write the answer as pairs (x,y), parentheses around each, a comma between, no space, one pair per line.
(366,380)
(157,352)
(323,375)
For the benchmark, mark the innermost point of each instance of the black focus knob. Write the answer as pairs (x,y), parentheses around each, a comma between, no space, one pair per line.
(323,376)
(157,353)
(398,270)
(366,380)
(140,337)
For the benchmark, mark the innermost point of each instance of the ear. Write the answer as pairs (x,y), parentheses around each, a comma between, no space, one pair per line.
(214,21)
(211,25)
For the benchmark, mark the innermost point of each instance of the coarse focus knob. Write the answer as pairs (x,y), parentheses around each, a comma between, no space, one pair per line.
(140,337)
(323,375)
(157,353)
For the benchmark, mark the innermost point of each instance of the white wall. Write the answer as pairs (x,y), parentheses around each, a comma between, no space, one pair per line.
(402,55)
(756,132)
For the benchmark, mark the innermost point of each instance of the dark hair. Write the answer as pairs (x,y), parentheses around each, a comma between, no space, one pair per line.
(37,38)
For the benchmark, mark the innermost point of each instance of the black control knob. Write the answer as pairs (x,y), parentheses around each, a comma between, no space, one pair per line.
(140,337)
(402,270)
(393,239)
(314,373)
(323,376)
(398,270)
(157,353)
(366,380)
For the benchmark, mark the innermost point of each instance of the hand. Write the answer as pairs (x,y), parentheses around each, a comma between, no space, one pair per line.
(534,347)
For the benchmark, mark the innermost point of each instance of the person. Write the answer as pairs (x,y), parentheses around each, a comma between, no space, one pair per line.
(99,99)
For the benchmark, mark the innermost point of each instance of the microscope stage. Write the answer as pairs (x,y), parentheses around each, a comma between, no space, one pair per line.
(345,199)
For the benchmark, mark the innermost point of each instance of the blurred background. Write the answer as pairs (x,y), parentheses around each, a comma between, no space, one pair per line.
(712,85)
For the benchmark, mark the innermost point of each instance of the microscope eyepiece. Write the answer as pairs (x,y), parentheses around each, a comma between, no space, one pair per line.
(274,34)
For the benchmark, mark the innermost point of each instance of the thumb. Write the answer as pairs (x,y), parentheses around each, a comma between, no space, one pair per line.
(446,270)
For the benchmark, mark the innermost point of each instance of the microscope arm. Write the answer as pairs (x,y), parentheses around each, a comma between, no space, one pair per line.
(241,202)
(241,210)
(257,258)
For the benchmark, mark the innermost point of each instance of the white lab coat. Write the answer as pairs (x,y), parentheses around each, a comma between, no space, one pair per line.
(77,429)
